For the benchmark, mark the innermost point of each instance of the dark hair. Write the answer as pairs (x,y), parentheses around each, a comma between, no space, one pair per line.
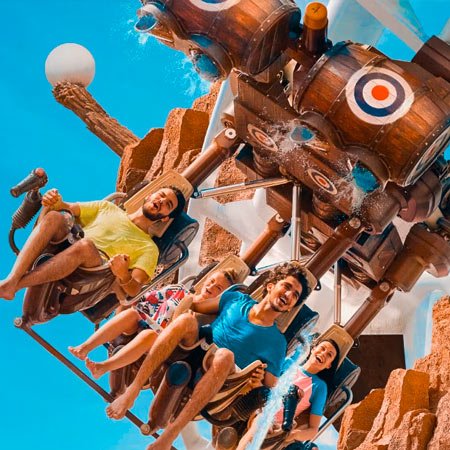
(293,269)
(230,275)
(181,202)
(327,375)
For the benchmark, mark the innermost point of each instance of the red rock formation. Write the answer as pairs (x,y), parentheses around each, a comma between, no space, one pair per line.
(207,102)
(441,436)
(437,363)
(358,420)
(414,432)
(182,141)
(217,243)
(415,411)
(137,158)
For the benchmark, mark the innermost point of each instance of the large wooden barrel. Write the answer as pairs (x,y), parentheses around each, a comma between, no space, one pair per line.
(221,34)
(394,109)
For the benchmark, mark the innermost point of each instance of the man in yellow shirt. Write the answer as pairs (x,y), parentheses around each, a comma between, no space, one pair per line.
(108,231)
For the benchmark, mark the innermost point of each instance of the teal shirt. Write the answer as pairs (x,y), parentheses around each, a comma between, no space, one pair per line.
(248,342)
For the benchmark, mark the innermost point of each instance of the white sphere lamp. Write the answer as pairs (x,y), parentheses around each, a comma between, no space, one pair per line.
(70,62)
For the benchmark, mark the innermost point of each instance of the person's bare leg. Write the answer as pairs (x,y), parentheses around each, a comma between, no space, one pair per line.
(126,355)
(82,253)
(182,330)
(249,434)
(125,322)
(52,227)
(221,365)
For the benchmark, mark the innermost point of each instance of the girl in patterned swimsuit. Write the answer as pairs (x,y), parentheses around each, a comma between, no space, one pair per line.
(150,314)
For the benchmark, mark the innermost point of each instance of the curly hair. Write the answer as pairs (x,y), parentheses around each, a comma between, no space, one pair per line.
(293,269)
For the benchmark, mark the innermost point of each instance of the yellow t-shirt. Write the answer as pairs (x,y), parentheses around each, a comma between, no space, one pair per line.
(114,233)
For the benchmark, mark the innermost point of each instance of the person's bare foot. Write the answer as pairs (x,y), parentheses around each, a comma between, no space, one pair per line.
(8,289)
(118,408)
(96,369)
(79,352)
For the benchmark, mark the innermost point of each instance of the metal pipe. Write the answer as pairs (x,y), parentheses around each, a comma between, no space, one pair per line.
(246,185)
(336,415)
(377,299)
(273,231)
(295,222)
(221,147)
(344,236)
(60,357)
(260,270)
(337,292)
(162,276)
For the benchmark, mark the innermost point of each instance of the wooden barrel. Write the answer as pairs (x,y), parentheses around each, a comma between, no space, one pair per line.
(394,109)
(221,34)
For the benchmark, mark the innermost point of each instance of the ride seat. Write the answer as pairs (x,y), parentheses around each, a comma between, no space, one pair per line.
(86,288)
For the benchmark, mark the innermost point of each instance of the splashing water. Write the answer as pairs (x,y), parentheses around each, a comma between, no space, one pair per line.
(275,401)
(196,83)
(143,38)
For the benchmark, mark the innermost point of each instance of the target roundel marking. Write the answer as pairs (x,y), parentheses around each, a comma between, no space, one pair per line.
(214,5)
(262,138)
(322,181)
(378,96)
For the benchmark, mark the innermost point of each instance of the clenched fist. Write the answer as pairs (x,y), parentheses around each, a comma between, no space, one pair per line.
(52,199)
(119,265)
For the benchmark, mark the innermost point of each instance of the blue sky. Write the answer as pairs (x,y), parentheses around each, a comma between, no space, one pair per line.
(44,406)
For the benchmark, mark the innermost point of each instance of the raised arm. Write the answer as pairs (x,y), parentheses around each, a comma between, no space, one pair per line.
(53,201)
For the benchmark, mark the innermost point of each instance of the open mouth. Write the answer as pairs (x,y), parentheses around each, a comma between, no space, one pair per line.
(155,206)
(319,359)
(283,300)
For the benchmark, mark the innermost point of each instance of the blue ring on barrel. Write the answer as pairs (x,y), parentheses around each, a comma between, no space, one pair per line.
(206,67)
(384,111)
(145,23)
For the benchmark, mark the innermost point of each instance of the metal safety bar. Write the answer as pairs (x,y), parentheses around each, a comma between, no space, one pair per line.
(260,270)
(18,322)
(246,185)
(295,222)
(337,292)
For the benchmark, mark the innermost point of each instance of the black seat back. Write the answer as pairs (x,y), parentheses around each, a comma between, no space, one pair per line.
(345,376)
(182,230)
(304,320)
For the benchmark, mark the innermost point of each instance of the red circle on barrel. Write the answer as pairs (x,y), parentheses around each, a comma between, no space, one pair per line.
(380,92)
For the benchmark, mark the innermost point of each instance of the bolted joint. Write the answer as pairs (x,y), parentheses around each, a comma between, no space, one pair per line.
(18,322)
(145,429)
(355,223)
(230,133)
(384,286)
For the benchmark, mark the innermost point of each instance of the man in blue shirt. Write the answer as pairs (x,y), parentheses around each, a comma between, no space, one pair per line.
(244,331)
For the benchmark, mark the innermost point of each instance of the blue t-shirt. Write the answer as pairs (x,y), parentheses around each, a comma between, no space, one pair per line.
(248,342)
